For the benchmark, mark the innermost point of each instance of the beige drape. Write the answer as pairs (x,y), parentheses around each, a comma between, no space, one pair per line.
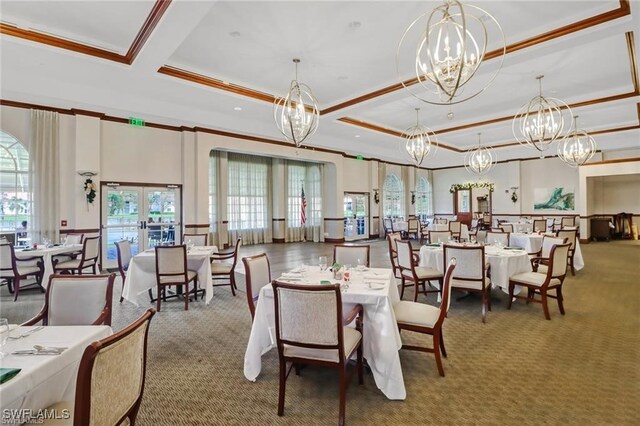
(45,175)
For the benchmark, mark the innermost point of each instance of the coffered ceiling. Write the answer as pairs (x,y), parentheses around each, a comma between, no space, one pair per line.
(219,65)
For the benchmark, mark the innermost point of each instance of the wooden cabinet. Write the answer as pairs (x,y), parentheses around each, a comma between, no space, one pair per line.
(600,229)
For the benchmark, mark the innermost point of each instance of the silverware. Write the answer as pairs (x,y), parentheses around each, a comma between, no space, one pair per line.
(40,350)
(27,333)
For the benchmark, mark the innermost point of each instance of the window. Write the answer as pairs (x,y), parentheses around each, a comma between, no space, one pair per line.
(423,198)
(309,174)
(248,195)
(213,191)
(14,181)
(392,197)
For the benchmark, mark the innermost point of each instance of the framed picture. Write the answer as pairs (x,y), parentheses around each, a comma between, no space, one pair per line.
(558,198)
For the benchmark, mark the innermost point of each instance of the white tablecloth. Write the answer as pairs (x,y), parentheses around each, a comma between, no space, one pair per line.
(45,379)
(141,275)
(504,263)
(381,337)
(531,243)
(520,226)
(47,254)
(400,225)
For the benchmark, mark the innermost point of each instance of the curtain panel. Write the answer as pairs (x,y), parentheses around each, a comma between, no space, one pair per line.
(45,182)
(214,193)
(310,175)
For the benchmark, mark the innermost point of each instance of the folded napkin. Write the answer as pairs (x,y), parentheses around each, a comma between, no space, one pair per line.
(7,374)
(370,277)
(291,275)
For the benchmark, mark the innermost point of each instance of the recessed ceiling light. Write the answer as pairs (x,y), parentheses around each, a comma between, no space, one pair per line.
(234,34)
(237,108)
(357,136)
(355,24)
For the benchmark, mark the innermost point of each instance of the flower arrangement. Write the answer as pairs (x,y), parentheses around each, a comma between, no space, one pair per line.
(457,186)
(90,190)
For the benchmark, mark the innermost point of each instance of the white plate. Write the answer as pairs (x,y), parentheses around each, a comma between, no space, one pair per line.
(374,286)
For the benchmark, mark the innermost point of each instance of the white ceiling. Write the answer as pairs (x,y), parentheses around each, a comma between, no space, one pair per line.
(251,44)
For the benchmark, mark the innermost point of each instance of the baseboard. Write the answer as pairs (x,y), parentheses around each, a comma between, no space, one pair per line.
(374,236)
(278,240)
(585,241)
(334,240)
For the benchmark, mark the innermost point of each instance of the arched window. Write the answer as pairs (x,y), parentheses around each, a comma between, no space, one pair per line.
(423,198)
(392,197)
(15,208)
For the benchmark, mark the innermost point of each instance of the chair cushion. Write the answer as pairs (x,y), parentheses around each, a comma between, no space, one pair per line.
(474,285)
(221,268)
(423,273)
(22,271)
(533,278)
(351,339)
(73,264)
(413,313)
(177,278)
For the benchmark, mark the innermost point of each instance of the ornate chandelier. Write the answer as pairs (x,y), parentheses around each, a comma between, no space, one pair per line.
(450,47)
(297,114)
(418,144)
(577,147)
(479,161)
(540,121)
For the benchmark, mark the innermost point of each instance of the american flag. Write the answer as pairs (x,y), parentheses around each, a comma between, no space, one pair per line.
(303,207)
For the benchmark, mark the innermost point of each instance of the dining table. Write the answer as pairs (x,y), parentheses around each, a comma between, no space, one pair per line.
(464,229)
(376,290)
(44,379)
(504,261)
(141,274)
(47,254)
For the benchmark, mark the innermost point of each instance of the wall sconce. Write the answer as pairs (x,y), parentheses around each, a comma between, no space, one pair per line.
(514,194)
(376,196)
(413,197)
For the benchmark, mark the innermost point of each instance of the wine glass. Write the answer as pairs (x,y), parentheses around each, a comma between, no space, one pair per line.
(190,245)
(360,266)
(472,239)
(322,262)
(4,335)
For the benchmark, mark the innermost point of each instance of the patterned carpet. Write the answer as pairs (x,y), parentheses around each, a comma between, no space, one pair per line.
(517,368)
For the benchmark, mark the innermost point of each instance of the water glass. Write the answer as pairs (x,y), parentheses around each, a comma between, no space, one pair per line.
(322,262)
(190,245)
(4,335)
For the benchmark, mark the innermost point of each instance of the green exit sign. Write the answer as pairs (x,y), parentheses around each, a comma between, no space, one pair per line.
(359,157)
(134,121)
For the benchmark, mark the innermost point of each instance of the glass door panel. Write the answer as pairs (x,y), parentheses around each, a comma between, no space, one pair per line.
(356,216)
(146,216)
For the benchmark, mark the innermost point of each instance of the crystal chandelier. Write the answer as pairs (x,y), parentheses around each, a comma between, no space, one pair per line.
(297,114)
(479,161)
(540,121)
(450,47)
(418,144)
(577,147)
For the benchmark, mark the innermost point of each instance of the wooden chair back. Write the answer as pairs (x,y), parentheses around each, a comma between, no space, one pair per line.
(540,225)
(198,240)
(439,236)
(506,227)
(498,238)
(258,274)
(123,252)
(350,254)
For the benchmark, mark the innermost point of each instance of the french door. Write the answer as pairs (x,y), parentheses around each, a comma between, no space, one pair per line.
(147,216)
(356,216)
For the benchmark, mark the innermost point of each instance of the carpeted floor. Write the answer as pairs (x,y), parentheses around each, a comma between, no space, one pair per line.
(581,368)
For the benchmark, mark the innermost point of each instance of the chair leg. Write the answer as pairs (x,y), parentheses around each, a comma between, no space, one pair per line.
(232,283)
(560,300)
(417,289)
(488,290)
(16,288)
(573,268)
(511,286)
(359,365)
(442,348)
(402,289)
(282,387)
(436,352)
(160,290)
(343,396)
(545,305)
(186,296)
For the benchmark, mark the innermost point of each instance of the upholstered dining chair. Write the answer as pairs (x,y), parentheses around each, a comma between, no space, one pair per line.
(392,239)
(413,228)
(568,221)
(258,274)
(123,252)
(351,254)
(198,240)
(542,283)
(497,238)
(441,221)
(13,270)
(455,227)
(111,378)
(223,266)
(171,269)
(471,272)
(540,260)
(77,300)
(72,239)
(415,275)
(570,236)
(311,329)
(487,220)
(387,223)
(436,237)
(506,227)
(427,319)
(88,259)
(540,225)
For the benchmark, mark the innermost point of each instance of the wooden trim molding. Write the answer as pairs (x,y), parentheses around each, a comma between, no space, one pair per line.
(622,10)
(278,219)
(335,219)
(80,231)
(614,161)
(157,11)
(197,225)
(334,240)
(278,240)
